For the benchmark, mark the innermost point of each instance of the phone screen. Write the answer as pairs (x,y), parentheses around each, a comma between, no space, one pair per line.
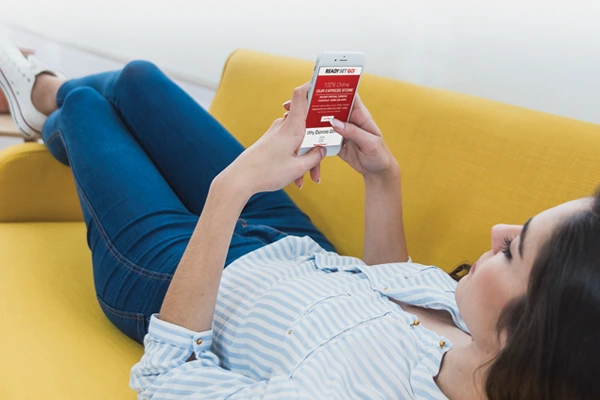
(333,94)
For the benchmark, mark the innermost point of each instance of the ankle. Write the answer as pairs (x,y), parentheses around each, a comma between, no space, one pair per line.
(43,95)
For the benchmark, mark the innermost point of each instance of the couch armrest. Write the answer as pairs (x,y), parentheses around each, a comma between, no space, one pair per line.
(34,187)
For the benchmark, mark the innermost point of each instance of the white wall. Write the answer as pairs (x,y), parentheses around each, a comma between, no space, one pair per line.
(539,54)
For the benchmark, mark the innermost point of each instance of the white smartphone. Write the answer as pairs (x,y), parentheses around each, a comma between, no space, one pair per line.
(332,90)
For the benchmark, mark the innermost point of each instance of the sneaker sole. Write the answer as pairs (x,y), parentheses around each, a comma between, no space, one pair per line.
(27,130)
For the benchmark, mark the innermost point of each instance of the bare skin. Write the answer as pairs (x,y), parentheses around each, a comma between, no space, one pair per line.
(437,321)
(44,93)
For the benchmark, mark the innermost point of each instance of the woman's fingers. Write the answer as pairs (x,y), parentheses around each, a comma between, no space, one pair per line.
(362,117)
(299,104)
(311,162)
(315,173)
(363,139)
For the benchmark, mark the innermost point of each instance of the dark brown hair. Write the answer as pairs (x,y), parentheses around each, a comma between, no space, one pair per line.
(552,348)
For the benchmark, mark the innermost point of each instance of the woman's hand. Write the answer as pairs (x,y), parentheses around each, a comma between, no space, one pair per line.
(271,163)
(363,147)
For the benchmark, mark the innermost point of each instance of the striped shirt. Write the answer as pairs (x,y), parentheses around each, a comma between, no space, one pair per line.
(294,321)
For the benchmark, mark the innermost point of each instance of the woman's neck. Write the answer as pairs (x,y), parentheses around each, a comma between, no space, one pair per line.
(462,373)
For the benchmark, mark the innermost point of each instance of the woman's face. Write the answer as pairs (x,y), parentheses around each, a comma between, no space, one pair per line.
(502,273)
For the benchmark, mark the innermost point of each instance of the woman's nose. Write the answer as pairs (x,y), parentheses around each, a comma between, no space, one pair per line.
(501,232)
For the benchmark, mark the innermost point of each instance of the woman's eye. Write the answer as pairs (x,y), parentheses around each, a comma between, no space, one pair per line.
(506,247)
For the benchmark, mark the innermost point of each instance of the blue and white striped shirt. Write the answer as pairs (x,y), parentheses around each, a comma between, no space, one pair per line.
(293,321)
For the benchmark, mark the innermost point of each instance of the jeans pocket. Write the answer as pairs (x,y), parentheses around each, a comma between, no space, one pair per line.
(131,323)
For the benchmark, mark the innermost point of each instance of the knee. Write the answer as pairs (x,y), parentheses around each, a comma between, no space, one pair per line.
(140,68)
(138,72)
(81,98)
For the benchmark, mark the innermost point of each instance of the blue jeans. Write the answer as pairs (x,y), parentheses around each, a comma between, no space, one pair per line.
(143,154)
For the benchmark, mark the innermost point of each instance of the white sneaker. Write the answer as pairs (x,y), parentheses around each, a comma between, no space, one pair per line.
(17,77)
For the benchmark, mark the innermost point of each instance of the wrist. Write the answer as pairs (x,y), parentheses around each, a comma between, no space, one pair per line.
(229,185)
(389,174)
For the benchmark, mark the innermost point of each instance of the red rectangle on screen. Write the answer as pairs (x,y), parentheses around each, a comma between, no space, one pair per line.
(333,95)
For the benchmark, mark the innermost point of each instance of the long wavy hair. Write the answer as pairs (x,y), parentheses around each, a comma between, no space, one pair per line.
(552,348)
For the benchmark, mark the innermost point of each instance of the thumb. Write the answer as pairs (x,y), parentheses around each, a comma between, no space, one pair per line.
(312,158)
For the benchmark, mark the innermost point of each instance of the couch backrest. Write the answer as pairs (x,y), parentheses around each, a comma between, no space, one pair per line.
(467,163)
(34,187)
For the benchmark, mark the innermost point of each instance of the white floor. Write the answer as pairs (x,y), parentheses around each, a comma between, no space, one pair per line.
(76,63)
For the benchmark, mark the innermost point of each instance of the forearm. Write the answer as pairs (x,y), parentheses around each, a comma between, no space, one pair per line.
(384,227)
(191,297)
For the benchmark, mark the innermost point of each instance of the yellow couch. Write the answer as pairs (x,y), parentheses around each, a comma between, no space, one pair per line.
(467,164)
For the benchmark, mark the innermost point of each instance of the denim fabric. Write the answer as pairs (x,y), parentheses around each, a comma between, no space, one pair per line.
(143,154)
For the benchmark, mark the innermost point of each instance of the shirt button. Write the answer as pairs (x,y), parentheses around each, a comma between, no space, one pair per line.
(290,332)
(406,276)
(415,323)
(386,288)
(199,342)
(442,343)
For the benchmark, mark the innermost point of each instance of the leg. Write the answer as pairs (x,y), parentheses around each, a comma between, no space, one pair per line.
(137,227)
(187,145)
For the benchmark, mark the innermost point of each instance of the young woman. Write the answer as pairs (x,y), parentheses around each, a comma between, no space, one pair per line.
(170,199)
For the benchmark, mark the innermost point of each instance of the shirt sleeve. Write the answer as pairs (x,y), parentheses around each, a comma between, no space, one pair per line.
(164,373)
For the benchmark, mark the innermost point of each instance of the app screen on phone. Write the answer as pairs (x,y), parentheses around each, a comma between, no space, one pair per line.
(333,95)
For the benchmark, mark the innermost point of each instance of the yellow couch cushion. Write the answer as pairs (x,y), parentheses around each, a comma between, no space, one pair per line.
(55,342)
(467,163)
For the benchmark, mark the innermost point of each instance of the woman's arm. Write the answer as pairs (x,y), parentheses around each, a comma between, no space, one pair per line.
(384,228)
(268,165)
(192,295)
(365,150)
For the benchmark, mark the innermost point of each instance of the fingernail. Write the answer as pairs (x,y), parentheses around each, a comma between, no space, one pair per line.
(319,181)
(285,103)
(300,187)
(285,114)
(336,123)
(323,151)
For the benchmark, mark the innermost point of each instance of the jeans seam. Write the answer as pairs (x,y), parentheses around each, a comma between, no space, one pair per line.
(117,312)
(113,250)
(52,138)
(138,317)
(117,254)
